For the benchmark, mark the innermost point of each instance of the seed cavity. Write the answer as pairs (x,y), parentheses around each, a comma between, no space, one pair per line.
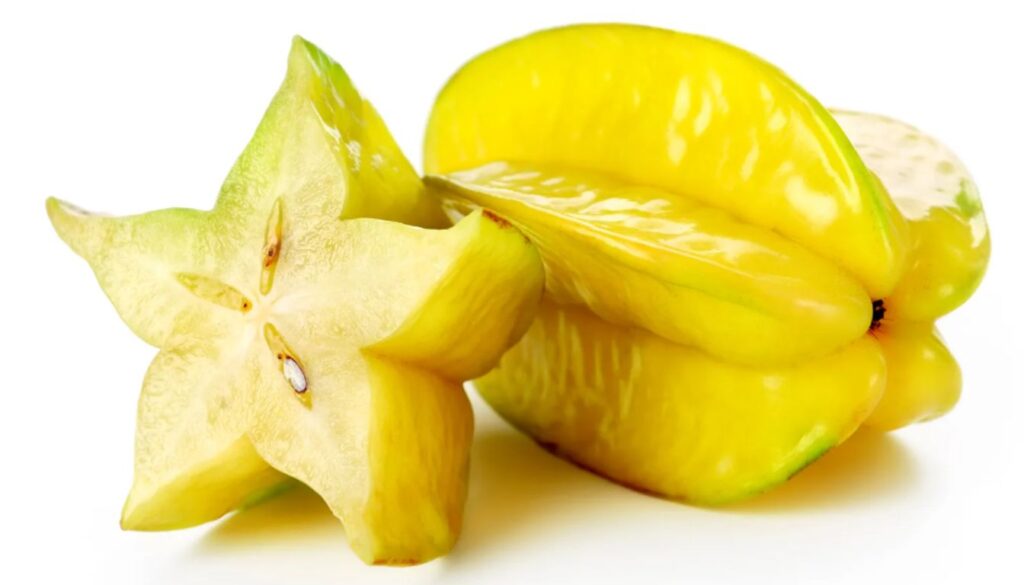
(214,291)
(271,247)
(294,374)
(290,365)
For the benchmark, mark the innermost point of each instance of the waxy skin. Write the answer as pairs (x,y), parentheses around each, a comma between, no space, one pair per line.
(737,278)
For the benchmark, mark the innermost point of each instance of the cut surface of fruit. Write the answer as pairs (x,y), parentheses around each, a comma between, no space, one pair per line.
(318,109)
(668,264)
(295,343)
(677,112)
(950,243)
(298,151)
(672,420)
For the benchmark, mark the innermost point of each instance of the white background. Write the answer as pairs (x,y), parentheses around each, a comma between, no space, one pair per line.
(127,109)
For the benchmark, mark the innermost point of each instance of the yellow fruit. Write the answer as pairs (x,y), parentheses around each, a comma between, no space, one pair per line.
(706,332)
(669,419)
(949,239)
(677,112)
(950,247)
(296,342)
(685,271)
(923,378)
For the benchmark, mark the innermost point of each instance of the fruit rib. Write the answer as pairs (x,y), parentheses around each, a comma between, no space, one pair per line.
(673,420)
(317,138)
(949,239)
(590,138)
(949,253)
(670,265)
(193,461)
(389,389)
(318,110)
(923,379)
(680,113)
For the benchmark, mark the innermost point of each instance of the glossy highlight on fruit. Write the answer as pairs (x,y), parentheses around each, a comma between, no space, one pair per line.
(686,271)
(662,417)
(299,339)
(731,289)
(949,251)
(682,113)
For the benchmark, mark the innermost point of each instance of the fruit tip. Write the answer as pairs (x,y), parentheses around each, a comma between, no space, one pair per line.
(52,205)
(57,210)
(56,206)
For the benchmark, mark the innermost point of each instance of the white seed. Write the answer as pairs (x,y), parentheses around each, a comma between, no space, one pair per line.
(293,373)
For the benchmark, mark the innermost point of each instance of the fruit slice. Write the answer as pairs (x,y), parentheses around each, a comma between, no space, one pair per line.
(923,377)
(672,420)
(949,236)
(676,112)
(685,271)
(294,343)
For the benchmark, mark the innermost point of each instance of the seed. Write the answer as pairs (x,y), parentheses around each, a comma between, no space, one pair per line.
(294,374)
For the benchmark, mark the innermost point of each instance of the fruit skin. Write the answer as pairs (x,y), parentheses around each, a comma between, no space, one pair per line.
(564,383)
(375,316)
(677,112)
(949,238)
(672,420)
(923,377)
(950,248)
(374,177)
(685,271)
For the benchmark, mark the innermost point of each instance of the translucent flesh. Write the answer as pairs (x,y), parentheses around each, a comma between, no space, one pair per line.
(273,275)
(677,112)
(666,263)
(671,420)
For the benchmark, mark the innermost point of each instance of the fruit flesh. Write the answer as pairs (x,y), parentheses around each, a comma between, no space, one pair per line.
(685,271)
(680,113)
(294,343)
(671,419)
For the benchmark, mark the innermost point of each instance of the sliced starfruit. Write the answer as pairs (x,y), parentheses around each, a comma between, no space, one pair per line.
(297,342)
(686,271)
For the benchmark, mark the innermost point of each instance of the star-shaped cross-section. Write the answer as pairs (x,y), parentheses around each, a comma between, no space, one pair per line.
(296,341)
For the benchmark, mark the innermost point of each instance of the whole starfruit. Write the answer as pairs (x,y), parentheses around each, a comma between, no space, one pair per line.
(737,278)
